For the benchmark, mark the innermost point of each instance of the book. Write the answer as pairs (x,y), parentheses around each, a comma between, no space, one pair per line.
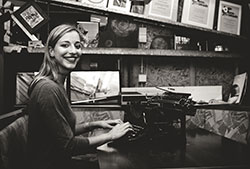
(184,43)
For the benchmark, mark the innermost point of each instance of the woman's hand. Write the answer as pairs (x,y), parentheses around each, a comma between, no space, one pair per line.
(116,132)
(119,130)
(109,124)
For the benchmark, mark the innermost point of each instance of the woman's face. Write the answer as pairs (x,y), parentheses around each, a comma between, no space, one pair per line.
(67,51)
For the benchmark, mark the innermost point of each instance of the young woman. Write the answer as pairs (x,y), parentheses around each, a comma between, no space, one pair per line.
(52,129)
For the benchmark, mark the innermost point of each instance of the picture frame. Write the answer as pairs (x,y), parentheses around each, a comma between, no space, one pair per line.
(120,5)
(229,17)
(95,87)
(23,80)
(240,81)
(31,16)
(162,9)
(91,31)
(199,13)
(98,3)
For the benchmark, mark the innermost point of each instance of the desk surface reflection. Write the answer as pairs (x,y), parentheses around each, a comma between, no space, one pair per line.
(202,149)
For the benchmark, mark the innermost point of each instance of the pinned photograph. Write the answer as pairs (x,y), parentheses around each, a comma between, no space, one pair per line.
(96,3)
(120,5)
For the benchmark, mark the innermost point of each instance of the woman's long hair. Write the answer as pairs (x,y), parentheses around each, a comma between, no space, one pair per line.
(49,68)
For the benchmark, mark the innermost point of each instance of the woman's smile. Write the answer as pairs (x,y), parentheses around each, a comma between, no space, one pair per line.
(71,59)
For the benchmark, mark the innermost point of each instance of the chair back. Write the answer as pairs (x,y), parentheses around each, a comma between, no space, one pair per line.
(13,144)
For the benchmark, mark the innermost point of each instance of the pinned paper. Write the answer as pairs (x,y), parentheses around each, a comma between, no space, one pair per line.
(142,35)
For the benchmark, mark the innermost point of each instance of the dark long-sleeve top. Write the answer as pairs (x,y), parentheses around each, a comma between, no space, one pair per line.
(51,128)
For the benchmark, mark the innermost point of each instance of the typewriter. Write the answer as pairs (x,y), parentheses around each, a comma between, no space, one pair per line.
(156,116)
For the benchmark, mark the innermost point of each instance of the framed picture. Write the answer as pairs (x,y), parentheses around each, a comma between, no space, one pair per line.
(91,87)
(238,87)
(162,9)
(229,17)
(31,16)
(91,31)
(120,5)
(99,3)
(199,13)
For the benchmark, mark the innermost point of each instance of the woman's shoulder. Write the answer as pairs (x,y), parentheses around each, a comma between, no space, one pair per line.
(47,88)
(47,84)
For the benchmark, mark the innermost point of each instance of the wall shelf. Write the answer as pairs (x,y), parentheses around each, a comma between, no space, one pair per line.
(145,52)
(158,52)
(80,6)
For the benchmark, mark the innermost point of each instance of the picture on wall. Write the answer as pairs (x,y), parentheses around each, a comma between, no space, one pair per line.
(240,85)
(91,32)
(162,9)
(120,32)
(96,3)
(229,17)
(23,80)
(95,87)
(31,16)
(120,5)
(199,13)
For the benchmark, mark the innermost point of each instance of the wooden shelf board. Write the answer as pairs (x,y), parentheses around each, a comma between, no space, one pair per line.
(158,52)
(145,52)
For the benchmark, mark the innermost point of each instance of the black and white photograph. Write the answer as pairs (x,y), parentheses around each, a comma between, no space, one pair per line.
(31,16)
(124,84)
(119,5)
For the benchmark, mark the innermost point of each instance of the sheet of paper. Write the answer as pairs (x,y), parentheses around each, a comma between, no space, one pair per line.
(198,93)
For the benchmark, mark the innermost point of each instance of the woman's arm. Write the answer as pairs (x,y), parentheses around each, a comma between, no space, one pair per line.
(88,126)
(85,127)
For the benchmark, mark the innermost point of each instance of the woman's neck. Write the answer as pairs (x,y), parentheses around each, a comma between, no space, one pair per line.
(61,78)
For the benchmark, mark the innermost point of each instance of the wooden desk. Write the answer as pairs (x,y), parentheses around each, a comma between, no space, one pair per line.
(202,150)
(231,121)
(225,106)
